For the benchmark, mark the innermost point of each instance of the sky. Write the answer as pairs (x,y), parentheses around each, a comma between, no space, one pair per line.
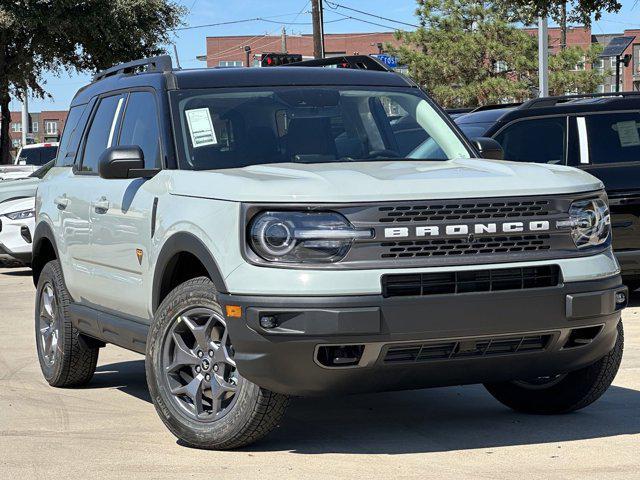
(296,16)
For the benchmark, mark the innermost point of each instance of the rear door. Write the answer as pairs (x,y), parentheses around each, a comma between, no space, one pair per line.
(608,147)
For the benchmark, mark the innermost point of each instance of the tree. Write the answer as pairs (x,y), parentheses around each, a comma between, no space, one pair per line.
(466,53)
(571,71)
(578,11)
(38,36)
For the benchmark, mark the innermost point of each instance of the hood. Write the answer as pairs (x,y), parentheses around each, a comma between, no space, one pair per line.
(382,181)
(17,205)
(10,189)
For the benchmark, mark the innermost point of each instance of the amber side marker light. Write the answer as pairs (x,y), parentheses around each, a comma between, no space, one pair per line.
(234,311)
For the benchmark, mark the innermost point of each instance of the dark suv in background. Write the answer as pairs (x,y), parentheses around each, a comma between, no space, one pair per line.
(598,133)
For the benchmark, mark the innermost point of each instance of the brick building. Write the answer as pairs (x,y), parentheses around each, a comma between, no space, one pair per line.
(45,126)
(230,52)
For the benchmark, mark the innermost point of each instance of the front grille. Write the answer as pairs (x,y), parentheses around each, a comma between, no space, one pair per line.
(464,211)
(459,246)
(470,281)
(467,348)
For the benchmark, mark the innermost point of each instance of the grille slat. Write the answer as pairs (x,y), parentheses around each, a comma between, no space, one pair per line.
(470,281)
(467,348)
(456,246)
(470,211)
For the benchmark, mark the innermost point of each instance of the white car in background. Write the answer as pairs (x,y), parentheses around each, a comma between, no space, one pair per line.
(17,222)
(29,159)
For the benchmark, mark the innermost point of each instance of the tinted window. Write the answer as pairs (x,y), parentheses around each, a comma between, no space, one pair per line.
(614,137)
(140,127)
(101,132)
(38,156)
(71,135)
(540,140)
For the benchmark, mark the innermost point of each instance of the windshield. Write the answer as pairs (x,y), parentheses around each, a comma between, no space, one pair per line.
(239,128)
(37,155)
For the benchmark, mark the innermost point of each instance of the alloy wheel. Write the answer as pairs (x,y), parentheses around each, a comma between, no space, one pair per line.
(48,324)
(198,366)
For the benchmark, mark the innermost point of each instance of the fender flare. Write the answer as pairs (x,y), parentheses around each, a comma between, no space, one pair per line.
(183,242)
(42,231)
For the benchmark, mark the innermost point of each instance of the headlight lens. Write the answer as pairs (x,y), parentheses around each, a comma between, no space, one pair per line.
(21,215)
(590,222)
(303,237)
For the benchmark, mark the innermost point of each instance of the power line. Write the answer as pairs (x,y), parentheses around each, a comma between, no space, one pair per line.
(335,6)
(349,17)
(232,22)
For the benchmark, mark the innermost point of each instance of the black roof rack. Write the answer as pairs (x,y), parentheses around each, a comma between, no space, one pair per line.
(496,106)
(552,101)
(360,62)
(161,63)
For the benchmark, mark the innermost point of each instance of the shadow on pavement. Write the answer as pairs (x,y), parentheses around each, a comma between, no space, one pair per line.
(22,272)
(432,420)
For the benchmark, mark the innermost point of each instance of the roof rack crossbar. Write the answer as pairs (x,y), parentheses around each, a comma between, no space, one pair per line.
(552,101)
(161,63)
(361,62)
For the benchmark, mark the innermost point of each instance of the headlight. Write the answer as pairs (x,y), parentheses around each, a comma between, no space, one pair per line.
(21,215)
(303,237)
(590,222)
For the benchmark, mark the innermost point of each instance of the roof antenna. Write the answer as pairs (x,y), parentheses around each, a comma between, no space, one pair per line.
(175,53)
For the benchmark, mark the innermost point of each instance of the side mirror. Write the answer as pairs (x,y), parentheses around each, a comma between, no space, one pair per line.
(488,148)
(123,161)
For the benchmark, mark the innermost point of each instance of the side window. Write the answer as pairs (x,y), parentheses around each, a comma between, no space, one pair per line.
(140,127)
(541,140)
(101,132)
(71,135)
(613,138)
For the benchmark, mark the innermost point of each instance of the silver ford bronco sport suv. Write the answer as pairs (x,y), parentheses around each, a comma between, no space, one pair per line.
(263,233)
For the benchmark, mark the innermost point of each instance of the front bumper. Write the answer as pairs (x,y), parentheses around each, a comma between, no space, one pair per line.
(291,358)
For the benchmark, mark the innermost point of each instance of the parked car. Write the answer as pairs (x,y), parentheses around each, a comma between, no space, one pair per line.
(256,233)
(29,159)
(17,221)
(596,133)
(23,187)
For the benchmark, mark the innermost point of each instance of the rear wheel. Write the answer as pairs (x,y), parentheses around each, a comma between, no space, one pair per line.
(565,392)
(192,375)
(66,359)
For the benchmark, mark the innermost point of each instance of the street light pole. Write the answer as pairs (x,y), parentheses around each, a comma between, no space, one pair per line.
(25,116)
(543,58)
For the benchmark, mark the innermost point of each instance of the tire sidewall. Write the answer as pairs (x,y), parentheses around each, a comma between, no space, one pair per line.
(196,433)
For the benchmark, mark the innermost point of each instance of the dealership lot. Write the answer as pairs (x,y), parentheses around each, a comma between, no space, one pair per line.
(110,428)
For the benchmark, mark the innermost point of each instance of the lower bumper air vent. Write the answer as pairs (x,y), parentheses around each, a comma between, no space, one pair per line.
(467,348)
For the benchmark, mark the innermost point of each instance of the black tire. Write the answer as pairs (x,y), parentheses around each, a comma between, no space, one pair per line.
(72,362)
(565,393)
(254,411)
(632,285)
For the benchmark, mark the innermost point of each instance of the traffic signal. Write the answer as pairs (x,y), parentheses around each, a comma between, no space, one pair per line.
(277,59)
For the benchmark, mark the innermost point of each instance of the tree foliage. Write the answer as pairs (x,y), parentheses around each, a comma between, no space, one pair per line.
(578,11)
(467,53)
(38,36)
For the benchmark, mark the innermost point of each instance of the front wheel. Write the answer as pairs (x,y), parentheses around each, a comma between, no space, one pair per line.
(192,375)
(565,392)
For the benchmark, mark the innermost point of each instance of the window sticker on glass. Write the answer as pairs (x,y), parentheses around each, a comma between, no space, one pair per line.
(201,127)
(628,133)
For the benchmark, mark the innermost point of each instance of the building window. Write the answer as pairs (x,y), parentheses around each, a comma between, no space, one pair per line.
(599,64)
(600,88)
(34,127)
(500,66)
(16,142)
(230,63)
(16,127)
(51,127)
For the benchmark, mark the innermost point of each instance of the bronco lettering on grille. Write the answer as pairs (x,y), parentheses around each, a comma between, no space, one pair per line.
(477,229)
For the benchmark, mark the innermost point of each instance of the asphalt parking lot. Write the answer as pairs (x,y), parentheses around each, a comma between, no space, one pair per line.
(110,429)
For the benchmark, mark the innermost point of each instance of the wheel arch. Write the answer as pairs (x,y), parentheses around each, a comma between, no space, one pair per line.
(44,249)
(181,246)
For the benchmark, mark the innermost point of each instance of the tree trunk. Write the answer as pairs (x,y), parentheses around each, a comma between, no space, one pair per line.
(5,112)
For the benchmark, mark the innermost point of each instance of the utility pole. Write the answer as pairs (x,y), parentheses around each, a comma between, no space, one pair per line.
(318,28)
(25,116)
(543,58)
(283,40)
(563,26)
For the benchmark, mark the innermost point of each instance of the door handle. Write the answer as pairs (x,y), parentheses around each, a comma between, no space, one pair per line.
(100,206)
(61,202)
